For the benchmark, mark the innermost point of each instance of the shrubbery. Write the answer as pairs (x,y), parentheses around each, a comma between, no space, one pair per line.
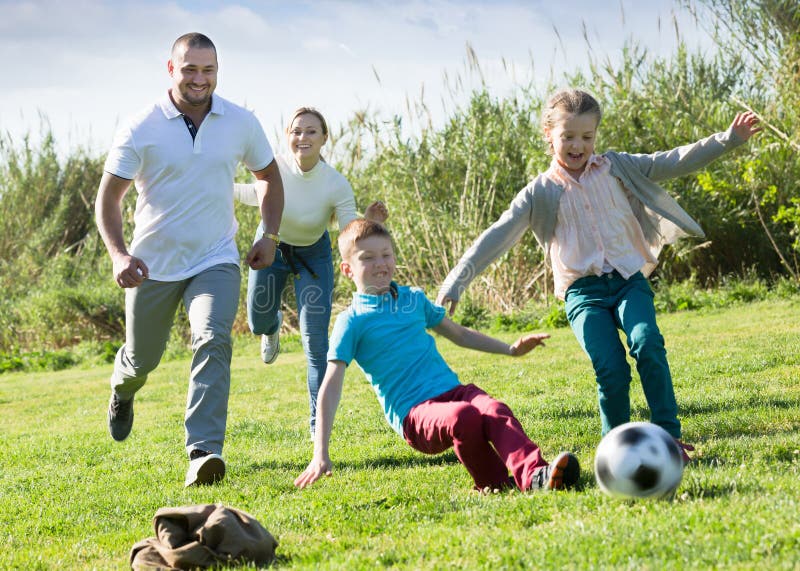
(444,185)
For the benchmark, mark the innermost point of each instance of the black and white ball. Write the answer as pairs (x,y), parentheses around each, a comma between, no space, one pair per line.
(638,460)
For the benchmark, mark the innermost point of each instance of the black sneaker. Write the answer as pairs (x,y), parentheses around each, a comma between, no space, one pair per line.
(120,417)
(560,474)
(204,468)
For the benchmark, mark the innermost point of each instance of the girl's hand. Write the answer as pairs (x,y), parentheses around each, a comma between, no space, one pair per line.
(448,303)
(527,343)
(744,125)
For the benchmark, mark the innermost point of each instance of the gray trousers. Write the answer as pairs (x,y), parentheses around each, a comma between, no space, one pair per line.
(211,299)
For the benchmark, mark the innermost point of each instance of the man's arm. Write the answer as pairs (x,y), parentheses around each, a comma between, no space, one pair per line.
(129,271)
(269,187)
(471,339)
(329,395)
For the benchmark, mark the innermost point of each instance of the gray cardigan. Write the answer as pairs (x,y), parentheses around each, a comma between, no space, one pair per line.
(535,207)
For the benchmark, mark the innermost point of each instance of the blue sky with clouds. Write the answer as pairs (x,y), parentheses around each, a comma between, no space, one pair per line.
(87,64)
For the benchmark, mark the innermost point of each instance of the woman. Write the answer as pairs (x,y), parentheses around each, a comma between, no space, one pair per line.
(313,191)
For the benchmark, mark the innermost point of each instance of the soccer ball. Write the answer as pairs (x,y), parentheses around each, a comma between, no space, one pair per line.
(638,460)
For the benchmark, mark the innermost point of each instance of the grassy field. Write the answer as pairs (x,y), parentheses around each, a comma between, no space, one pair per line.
(71,498)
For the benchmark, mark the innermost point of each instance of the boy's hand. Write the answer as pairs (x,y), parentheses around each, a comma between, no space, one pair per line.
(744,125)
(527,343)
(313,472)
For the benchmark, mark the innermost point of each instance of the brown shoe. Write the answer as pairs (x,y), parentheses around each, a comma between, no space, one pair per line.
(560,474)
(685,448)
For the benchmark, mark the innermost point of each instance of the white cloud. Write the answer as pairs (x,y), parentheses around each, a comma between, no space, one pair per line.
(88,63)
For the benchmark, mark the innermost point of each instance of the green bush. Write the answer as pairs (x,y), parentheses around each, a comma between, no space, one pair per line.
(445,184)
(37,361)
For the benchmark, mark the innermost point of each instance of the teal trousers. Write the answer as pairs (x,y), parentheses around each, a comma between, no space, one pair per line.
(597,307)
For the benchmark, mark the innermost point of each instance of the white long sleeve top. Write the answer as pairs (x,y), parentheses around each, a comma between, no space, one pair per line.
(309,200)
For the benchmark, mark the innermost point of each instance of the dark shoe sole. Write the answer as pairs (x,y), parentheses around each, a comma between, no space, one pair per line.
(565,471)
(118,428)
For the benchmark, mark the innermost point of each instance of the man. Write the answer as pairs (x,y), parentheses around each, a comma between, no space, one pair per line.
(182,153)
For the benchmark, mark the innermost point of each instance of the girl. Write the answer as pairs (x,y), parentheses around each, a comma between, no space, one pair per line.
(603,220)
(313,192)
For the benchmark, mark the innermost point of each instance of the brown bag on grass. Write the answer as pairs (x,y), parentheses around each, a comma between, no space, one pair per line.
(203,536)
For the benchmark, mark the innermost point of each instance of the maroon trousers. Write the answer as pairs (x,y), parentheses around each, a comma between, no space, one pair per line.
(486,437)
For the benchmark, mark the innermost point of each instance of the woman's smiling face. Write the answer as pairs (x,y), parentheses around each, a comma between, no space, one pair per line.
(306,138)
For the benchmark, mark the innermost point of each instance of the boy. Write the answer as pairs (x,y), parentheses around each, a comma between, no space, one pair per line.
(384,331)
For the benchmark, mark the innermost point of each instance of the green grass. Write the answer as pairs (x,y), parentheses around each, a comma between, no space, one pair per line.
(71,498)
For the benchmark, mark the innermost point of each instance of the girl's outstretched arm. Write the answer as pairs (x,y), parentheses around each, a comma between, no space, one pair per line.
(745,125)
(490,245)
(692,157)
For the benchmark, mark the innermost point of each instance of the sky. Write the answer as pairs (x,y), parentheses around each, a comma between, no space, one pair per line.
(81,67)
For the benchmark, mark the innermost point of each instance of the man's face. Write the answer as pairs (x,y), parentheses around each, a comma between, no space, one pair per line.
(194,77)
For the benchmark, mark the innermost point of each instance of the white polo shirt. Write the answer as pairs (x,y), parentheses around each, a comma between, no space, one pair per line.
(184,219)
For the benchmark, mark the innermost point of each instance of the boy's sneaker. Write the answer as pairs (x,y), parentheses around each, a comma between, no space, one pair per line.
(204,468)
(685,449)
(120,417)
(271,344)
(560,474)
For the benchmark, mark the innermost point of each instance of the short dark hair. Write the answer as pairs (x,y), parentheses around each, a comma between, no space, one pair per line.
(194,40)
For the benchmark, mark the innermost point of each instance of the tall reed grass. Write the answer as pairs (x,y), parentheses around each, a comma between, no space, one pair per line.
(445,183)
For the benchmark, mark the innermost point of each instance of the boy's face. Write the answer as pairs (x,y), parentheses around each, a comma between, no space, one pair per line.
(371,265)
(572,138)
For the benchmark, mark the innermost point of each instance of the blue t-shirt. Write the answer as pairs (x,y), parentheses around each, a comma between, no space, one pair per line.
(387,337)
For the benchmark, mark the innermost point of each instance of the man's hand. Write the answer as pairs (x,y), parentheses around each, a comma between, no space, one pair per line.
(313,472)
(129,271)
(262,254)
(527,343)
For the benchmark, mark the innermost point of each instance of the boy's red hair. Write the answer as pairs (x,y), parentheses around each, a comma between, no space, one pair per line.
(356,230)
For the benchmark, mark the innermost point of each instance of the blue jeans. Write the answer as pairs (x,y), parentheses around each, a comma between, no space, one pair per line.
(596,308)
(314,297)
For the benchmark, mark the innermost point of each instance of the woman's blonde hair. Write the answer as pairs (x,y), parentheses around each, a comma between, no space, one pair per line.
(308,111)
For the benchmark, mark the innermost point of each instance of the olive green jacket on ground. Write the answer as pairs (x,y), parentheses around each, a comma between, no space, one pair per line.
(203,536)
(535,207)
